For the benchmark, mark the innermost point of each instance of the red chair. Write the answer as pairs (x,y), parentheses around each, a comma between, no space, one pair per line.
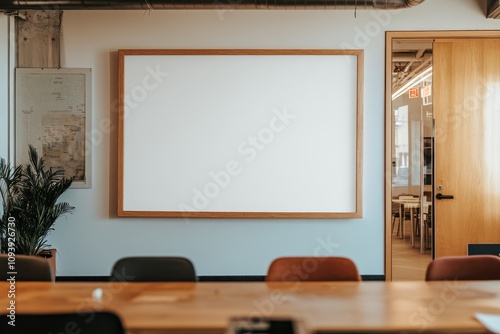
(463,268)
(319,268)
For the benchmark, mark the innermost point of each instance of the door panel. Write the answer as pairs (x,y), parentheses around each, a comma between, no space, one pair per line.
(466,93)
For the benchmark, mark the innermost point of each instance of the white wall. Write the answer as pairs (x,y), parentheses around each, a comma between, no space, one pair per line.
(91,239)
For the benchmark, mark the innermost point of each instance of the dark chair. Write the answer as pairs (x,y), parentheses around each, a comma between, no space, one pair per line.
(427,233)
(153,269)
(329,268)
(476,267)
(25,267)
(265,325)
(396,212)
(81,322)
(395,216)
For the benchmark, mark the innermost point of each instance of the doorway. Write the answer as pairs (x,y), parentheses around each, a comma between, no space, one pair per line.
(411,157)
(463,173)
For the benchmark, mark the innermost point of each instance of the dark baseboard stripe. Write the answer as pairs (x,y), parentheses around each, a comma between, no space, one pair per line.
(373,278)
(82,278)
(231,278)
(255,278)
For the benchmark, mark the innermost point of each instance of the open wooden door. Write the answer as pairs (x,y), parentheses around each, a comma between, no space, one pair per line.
(466,94)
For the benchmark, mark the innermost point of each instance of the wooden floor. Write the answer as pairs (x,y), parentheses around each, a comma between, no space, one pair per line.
(407,262)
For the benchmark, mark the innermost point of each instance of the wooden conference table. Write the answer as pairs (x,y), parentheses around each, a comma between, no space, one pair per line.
(206,307)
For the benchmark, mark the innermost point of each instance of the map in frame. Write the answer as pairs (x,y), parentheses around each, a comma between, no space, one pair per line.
(53,109)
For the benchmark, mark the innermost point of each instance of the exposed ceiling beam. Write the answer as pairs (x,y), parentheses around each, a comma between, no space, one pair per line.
(403,57)
(401,80)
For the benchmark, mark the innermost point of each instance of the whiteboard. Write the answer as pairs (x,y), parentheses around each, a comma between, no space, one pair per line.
(240,133)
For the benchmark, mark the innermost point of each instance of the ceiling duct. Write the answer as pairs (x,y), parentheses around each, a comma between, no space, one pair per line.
(12,5)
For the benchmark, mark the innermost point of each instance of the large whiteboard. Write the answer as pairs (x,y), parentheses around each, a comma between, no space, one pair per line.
(240,133)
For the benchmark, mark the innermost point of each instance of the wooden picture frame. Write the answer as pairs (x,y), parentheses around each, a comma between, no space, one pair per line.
(53,114)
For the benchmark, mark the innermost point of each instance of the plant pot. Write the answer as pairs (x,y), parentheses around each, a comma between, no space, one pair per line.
(50,256)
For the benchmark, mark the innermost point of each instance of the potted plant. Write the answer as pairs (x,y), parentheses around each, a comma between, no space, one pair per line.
(29,199)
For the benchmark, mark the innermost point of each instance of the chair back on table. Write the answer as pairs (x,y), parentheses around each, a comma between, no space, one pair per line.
(82,322)
(153,269)
(476,267)
(329,268)
(265,325)
(25,267)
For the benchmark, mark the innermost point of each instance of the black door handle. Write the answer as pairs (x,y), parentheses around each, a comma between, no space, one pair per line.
(441,196)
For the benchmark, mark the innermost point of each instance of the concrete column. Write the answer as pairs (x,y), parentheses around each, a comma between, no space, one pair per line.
(38,38)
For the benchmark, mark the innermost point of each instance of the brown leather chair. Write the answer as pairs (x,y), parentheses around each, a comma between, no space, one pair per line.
(25,267)
(476,267)
(318,268)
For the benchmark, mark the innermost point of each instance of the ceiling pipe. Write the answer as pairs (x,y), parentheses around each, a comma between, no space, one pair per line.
(12,5)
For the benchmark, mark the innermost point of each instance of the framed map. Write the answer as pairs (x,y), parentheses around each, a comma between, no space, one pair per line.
(53,109)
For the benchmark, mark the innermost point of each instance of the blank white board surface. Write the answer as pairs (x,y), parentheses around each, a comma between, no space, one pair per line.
(240,133)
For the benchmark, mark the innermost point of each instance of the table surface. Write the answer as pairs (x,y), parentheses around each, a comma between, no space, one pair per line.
(206,307)
(410,202)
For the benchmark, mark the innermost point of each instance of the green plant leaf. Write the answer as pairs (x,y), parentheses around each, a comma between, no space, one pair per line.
(29,196)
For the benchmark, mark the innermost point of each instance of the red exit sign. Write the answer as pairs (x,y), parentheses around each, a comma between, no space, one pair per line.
(413,92)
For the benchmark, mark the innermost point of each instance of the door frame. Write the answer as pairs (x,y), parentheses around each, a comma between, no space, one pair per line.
(389,37)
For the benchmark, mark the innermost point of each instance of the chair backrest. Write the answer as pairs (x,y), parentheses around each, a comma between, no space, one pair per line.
(153,269)
(330,268)
(396,207)
(25,267)
(265,325)
(476,267)
(104,322)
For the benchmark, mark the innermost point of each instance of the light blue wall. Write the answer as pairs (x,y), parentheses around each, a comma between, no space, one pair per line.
(91,239)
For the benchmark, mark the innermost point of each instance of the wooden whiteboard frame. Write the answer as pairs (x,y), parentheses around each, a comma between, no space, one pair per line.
(125,138)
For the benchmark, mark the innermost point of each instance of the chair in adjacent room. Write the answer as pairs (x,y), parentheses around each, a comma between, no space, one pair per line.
(396,213)
(103,322)
(153,269)
(25,268)
(462,268)
(329,268)
(395,216)
(427,233)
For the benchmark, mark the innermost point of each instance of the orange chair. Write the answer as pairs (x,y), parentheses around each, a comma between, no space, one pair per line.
(312,269)
(476,267)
